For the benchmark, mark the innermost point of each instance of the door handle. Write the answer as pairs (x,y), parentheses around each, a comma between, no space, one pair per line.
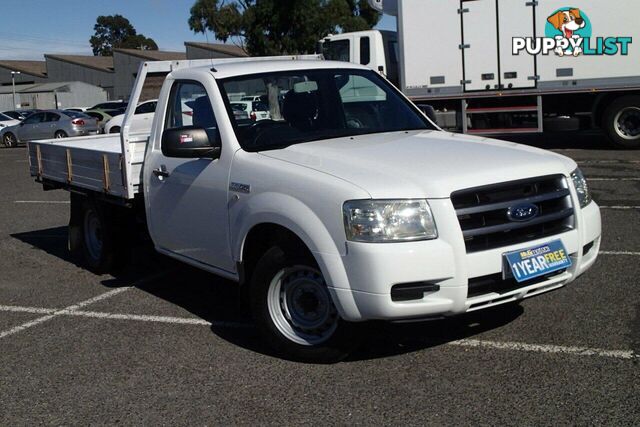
(161,172)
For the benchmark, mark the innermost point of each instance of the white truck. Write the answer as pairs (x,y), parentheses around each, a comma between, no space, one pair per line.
(347,205)
(510,66)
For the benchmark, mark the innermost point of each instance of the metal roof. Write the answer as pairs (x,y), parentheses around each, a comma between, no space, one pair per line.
(42,87)
(33,68)
(153,55)
(227,49)
(100,63)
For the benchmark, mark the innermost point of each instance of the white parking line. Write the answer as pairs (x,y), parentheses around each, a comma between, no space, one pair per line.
(607,162)
(540,348)
(67,310)
(512,346)
(73,311)
(50,202)
(612,179)
(619,253)
(620,208)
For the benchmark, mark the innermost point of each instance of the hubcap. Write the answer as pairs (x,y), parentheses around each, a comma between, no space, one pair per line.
(627,123)
(59,135)
(301,307)
(93,234)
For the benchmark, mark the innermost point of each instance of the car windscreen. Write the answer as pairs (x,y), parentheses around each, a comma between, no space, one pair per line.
(312,105)
(5,118)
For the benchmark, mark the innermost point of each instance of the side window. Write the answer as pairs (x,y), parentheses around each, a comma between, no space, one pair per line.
(148,107)
(365,50)
(337,50)
(33,119)
(52,117)
(189,105)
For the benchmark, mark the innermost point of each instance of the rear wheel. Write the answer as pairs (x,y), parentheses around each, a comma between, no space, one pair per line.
(91,235)
(9,140)
(60,134)
(294,310)
(622,122)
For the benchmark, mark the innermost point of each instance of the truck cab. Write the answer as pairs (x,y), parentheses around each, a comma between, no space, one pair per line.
(375,49)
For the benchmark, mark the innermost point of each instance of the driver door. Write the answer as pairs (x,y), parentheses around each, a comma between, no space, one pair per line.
(29,129)
(187,198)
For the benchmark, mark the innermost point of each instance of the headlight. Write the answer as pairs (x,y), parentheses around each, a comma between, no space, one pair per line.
(383,221)
(580,182)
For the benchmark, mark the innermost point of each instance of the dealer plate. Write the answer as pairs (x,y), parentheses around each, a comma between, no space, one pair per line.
(527,264)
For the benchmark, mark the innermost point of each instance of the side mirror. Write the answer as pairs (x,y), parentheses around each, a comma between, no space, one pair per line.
(191,143)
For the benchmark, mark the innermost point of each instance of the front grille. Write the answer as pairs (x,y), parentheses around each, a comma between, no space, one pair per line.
(495,283)
(482,212)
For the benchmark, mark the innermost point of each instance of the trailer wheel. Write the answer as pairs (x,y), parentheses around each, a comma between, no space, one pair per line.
(622,122)
(91,235)
(294,310)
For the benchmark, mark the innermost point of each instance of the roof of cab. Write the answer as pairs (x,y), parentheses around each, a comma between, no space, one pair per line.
(243,68)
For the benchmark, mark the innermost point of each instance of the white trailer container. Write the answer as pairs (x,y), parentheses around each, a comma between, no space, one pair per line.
(519,65)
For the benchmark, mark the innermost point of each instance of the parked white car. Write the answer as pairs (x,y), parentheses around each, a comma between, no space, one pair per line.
(257,110)
(142,118)
(6,121)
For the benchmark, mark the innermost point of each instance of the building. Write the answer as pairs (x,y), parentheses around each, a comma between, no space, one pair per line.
(52,95)
(94,70)
(197,50)
(127,63)
(30,72)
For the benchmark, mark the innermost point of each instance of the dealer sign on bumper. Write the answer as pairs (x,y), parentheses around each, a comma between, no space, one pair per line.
(539,261)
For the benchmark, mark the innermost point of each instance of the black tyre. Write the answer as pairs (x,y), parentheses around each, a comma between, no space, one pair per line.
(9,140)
(60,134)
(115,129)
(294,311)
(621,121)
(91,235)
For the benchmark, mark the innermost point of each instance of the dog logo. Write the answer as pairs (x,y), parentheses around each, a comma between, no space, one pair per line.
(568,22)
(569,33)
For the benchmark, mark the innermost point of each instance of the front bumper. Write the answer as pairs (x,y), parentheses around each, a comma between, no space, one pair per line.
(362,279)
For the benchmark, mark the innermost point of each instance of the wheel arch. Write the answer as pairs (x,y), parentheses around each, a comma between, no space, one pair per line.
(271,216)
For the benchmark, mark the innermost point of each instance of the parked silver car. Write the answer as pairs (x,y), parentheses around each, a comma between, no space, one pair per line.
(49,124)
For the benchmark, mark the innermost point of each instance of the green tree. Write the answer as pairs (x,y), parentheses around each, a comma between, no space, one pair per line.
(275,27)
(116,31)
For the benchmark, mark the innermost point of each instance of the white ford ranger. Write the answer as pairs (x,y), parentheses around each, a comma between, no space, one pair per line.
(347,205)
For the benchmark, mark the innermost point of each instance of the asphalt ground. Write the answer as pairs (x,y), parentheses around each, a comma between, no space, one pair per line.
(165,344)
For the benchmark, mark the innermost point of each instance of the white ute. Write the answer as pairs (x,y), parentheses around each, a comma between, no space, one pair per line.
(347,205)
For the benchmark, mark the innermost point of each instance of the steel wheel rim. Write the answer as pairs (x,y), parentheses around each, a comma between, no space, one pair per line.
(93,234)
(300,306)
(627,123)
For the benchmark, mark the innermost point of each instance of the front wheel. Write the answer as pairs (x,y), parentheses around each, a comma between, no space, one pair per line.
(622,122)
(115,129)
(9,140)
(294,310)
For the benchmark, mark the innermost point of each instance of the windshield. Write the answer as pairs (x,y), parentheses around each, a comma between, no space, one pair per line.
(311,105)
(5,118)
